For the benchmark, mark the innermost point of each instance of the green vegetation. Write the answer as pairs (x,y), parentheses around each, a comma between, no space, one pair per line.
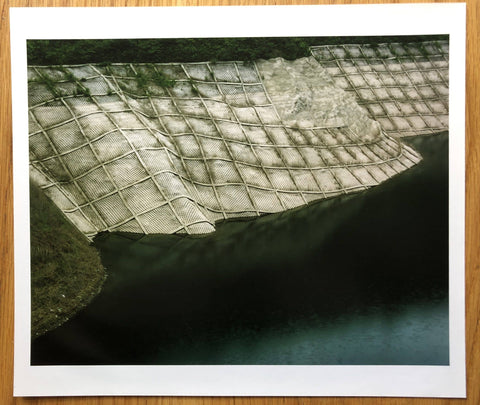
(69,75)
(142,81)
(154,76)
(61,52)
(66,271)
(50,84)
(82,90)
(161,80)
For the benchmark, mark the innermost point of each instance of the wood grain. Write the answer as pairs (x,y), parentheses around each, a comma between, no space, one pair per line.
(6,221)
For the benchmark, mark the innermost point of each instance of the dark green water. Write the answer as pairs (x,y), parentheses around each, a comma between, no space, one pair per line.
(361,279)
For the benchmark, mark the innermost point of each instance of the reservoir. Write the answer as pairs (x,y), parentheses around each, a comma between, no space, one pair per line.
(360,279)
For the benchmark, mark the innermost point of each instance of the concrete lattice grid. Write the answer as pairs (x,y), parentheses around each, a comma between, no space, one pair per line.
(404,86)
(117,156)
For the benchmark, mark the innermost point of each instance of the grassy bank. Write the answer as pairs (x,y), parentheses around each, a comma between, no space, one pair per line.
(66,271)
(60,52)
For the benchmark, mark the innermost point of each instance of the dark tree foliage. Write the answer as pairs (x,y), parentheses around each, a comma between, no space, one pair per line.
(61,52)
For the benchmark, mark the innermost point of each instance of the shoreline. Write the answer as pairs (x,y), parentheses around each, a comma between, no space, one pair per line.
(66,271)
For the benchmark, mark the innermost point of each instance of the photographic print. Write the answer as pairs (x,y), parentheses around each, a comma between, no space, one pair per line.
(163,165)
(241,201)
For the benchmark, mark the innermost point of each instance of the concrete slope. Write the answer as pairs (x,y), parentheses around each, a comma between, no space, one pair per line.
(121,148)
(404,86)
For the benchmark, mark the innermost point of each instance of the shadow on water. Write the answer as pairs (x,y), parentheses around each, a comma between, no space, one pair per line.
(360,279)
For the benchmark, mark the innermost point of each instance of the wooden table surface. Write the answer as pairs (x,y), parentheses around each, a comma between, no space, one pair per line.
(6,220)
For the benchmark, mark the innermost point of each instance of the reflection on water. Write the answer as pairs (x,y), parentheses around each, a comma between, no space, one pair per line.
(361,279)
